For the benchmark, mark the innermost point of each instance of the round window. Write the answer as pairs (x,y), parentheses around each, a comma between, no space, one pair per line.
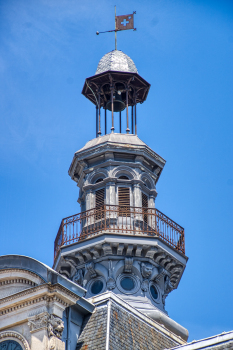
(154,292)
(127,283)
(97,287)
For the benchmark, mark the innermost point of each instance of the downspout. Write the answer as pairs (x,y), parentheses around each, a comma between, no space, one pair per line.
(108,324)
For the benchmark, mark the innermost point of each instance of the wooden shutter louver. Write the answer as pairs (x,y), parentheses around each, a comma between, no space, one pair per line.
(99,203)
(144,206)
(123,199)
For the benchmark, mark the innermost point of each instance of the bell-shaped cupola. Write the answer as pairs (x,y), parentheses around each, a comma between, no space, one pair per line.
(116,86)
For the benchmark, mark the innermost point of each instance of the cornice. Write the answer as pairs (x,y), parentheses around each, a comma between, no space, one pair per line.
(48,295)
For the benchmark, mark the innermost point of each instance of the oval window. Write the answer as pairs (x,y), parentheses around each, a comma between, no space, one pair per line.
(154,292)
(97,287)
(127,283)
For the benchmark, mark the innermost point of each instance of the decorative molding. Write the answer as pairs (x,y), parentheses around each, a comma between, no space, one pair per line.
(17,280)
(12,335)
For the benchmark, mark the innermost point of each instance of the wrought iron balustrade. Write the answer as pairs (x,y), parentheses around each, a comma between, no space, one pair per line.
(120,220)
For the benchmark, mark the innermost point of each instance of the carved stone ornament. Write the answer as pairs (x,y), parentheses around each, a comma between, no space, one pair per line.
(55,326)
(111,284)
(146,270)
(162,272)
(167,285)
(38,321)
(52,323)
(145,285)
(128,265)
(90,267)
(78,277)
(167,288)
(11,336)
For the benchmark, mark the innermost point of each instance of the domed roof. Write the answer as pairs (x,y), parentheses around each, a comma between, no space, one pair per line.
(116,61)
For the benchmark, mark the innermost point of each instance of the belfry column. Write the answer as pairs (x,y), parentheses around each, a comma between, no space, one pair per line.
(137,193)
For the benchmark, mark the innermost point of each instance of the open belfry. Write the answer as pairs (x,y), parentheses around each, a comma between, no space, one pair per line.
(117,260)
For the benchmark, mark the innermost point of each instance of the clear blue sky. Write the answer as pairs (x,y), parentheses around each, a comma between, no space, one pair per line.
(185,50)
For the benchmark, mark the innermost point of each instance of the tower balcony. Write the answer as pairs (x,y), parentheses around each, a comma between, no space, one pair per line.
(134,221)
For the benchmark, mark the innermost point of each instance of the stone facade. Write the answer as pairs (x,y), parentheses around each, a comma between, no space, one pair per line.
(33,299)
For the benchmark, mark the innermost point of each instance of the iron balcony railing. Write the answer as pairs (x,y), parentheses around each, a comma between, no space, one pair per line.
(120,220)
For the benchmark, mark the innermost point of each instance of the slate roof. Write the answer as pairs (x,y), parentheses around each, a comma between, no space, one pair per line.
(116,60)
(127,330)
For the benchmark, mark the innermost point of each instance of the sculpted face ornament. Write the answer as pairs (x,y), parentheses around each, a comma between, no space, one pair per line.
(146,270)
(55,326)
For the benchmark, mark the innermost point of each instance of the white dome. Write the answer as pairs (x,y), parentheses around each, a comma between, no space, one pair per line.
(116,61)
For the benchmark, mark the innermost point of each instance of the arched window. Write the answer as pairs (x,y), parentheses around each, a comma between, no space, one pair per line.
(123,177)
(10,344)
(99,180)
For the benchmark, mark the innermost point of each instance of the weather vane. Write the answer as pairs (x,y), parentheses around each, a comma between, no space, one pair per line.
(124,22)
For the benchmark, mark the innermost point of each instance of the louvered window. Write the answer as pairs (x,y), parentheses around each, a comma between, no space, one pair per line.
(123,200)
(145,206)
(99,203)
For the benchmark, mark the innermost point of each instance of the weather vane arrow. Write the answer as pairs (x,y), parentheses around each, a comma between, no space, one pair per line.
(124,22)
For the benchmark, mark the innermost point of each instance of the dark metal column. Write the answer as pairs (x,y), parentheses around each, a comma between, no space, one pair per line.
(132,128)
(112,128)
(127,109)
(120,122)
(135,120)
(99,132)
(96,120)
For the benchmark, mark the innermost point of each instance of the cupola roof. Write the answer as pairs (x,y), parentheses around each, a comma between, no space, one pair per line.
(116,60)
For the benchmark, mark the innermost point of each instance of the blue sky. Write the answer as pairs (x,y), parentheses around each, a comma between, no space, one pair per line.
(185,50)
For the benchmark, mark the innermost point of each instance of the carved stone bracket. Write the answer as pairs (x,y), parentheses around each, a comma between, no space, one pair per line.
(111,284)
(78,277)
(128,264)
(162,273)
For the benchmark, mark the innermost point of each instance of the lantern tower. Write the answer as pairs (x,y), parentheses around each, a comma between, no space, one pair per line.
(119,242)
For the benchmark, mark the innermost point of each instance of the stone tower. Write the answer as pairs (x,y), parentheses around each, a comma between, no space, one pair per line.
(119,242)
